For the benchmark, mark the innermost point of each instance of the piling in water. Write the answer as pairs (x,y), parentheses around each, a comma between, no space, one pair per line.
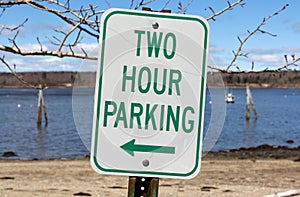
(41,106)
(39,113)
(249,101)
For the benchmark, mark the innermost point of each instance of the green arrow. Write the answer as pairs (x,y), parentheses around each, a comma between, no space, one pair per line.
(130,147)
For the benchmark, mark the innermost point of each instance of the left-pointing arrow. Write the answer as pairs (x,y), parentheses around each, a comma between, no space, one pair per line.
(130,148)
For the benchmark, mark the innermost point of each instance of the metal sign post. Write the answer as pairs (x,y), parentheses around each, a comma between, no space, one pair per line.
(143,186)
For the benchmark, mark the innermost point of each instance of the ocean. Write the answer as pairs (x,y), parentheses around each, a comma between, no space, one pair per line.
(70,122)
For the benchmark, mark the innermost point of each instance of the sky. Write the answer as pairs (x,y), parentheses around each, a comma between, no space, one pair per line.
(264,50)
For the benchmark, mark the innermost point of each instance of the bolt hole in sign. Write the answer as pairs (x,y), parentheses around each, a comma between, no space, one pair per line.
(150,94)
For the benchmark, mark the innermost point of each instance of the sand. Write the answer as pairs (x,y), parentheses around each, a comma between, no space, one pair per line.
(218,177)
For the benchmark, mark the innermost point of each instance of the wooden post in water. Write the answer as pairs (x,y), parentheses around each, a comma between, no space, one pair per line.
(41,107)
(40,103)
(249,100)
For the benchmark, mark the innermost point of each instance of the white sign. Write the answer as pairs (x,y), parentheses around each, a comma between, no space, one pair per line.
(150,94)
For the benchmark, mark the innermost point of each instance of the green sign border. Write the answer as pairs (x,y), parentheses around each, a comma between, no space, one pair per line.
(153,15)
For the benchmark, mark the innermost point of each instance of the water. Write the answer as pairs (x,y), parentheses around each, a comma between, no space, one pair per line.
(278,121)
(18,130)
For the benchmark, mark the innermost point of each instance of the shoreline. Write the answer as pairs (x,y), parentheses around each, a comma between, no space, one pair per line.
(217,177)
(264,151)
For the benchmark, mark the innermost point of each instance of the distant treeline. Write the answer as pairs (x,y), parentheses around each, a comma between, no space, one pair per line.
(267,79)
(285,79)
(51,79)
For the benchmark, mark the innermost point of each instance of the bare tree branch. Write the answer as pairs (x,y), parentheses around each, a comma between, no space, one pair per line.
(292,63)
(41,46)
(77,39)
(81,17)
(107,3)
(3,27)
(229,7)
(2,12)
(13,41)
(142,3)
(131,4)
(183,9)
(165,5)
(36,5)
(85,21)
(66,36)
(217,68)
(46,53)
(251,33)
(64,18)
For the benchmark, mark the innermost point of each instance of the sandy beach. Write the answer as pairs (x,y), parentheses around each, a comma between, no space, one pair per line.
(219,176)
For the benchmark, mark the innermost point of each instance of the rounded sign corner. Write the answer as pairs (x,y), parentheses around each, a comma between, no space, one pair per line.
(94,164)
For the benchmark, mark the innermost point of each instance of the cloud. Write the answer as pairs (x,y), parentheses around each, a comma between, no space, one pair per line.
(296,27)
(50,63)
(16,61)
(35,63)
(273,57)
(32,47)
(51,27)
(263,61)
(268,58)
(215,49)
(53,60)
(281,50)
(90,48)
